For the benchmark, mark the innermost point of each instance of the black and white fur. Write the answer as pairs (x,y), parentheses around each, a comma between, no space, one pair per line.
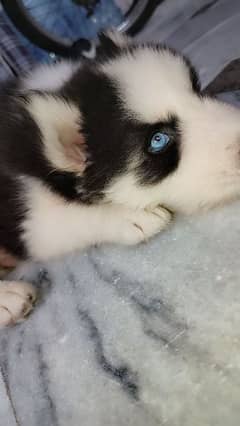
(74,163)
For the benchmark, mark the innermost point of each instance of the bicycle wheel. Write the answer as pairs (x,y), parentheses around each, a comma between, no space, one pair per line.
(64,27)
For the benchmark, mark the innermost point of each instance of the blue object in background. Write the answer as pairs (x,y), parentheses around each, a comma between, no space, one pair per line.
(66,19)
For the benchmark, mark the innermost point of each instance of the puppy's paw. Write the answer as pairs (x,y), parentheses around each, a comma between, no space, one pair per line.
(144,224)
(16,301)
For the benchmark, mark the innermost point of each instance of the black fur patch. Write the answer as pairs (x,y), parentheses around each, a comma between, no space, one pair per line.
(21,154)
(22,150)
(12,212)
(107,48)
(105,127)
(153,168)
(113,138)
(63,183)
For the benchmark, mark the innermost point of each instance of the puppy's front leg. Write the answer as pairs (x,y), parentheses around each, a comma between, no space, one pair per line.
(66,227)
(131,227)
(54,227)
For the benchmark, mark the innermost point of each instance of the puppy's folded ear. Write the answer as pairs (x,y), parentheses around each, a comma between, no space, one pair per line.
(72,148)
(59,123)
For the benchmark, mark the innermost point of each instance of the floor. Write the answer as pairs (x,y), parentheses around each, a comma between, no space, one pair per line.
(145,336)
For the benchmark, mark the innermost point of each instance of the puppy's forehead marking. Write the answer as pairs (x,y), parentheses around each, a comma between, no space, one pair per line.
(152,83)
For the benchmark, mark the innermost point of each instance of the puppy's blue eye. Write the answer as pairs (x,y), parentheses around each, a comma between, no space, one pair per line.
(158,142)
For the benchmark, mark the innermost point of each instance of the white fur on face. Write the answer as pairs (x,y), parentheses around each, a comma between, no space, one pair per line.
(153,85)
(209,169)
(49,77)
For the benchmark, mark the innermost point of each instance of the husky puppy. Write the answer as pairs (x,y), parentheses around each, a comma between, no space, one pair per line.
(103,151)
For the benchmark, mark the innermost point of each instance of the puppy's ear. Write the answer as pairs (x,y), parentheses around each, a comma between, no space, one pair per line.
(62,138)
(72,150)
(111,43)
